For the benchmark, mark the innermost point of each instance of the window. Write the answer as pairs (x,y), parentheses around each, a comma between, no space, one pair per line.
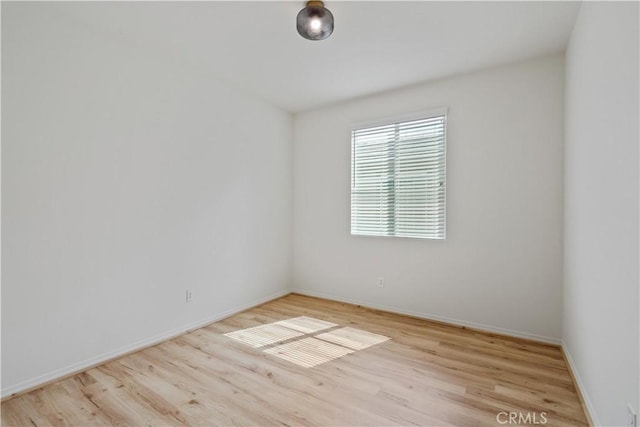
(398,178)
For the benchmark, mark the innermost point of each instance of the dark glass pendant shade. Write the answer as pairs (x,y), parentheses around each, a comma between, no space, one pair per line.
(315,22)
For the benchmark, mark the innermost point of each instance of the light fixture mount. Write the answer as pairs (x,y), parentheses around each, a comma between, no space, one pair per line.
(315,22)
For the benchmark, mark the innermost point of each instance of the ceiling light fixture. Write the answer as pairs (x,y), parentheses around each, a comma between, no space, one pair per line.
(315,22)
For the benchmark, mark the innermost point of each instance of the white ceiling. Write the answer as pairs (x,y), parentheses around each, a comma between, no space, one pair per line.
(376,46)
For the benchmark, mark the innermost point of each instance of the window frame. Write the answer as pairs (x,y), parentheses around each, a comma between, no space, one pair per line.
(392,120)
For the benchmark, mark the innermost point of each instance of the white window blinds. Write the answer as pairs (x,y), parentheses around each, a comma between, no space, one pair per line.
(398,179)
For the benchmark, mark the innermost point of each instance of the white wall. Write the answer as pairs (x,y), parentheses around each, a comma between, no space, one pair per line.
(127,178)
(601,209)
(501,265)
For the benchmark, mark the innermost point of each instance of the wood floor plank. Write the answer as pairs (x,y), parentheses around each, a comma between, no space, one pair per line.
(426,374)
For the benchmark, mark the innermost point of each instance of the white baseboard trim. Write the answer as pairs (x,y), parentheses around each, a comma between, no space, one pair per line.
(582,391)
(78,367)
(457,322)
(81,366)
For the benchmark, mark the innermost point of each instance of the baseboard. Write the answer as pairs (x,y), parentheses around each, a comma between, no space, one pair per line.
(442,319)
(59,374)
(587,406)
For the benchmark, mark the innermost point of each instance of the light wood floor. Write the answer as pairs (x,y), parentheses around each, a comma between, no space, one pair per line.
(428,374)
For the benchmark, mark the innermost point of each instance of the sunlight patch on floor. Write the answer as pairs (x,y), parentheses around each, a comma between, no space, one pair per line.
(262,335)
(306,324)
(353,338)
(308,352)
(306,341)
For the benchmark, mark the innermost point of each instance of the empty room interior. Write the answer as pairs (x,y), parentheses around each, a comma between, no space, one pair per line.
(339,213)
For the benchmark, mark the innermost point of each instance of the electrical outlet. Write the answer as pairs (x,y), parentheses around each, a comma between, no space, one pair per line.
(381,282)
(632,418)
(189,295)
